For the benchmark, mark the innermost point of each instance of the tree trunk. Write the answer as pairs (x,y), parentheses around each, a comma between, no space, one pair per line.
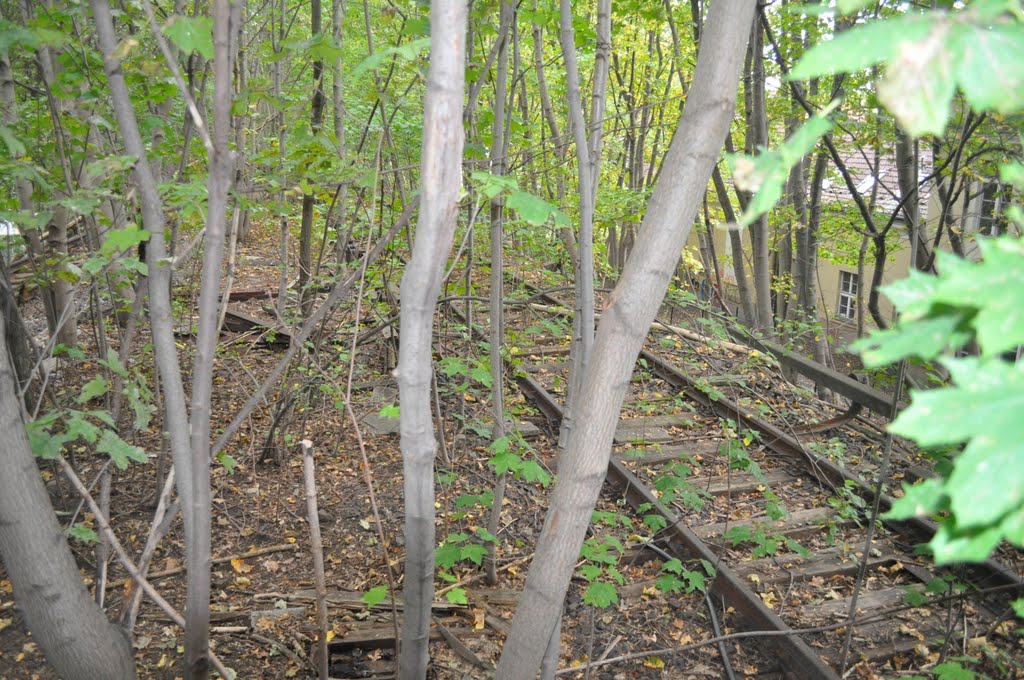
(197,608)
(74,634)
(441,180)
(631,309)
(308,200)
(176,418)
(757,135)
(748,317)
(338,111)
(583,310)
(497,292)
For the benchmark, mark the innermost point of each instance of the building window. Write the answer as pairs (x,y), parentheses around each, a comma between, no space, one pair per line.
(848,288)
(994,199)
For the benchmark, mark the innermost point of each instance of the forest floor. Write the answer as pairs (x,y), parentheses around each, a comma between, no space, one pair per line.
(263,616)
(264,622)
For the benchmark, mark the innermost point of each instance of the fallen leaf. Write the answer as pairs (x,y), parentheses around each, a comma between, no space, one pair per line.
(240,566)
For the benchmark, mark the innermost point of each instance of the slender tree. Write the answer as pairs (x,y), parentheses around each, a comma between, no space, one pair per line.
(77,639)
(631,308)
(440,182)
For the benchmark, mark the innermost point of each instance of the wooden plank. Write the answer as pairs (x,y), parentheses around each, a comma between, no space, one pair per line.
(868,602)
(661,454)
(783,568)
(799,521)
(867,396)
(740,482)
(239,322)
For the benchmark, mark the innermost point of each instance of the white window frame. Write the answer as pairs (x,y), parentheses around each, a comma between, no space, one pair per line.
(849,288)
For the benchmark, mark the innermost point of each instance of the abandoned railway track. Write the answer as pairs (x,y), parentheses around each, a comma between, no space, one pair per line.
(782,519)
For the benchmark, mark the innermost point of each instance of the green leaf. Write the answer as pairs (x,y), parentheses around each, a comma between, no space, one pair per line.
(914,597)
(989,67)
(390,411)
(989,468)
(912,295)
(950,545)
(14,146)
(227,461)
(408,51)
(113,362)
(492,185)
(79,427)
(486,535)
(953,670)
(123,240)
(674,566)
(191,34)
(924,498)
(119,450)
(375,596)
(920,82)
(531,471)
(766,173)
(481,375)
(862,46)
(457,596)
(80,532)
(102,416)
(474,552)
(142,410)
(96,387)
(994,286)
(852,6)
(925,338)
(503,462)
(447,555)
(601,595)
(533,209)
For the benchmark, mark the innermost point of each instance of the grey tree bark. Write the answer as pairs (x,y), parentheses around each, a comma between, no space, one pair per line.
(757,136)
(497,293)
(308,200)
(441,180)
(197,609)
(630,310)
(73,632)
(588,162)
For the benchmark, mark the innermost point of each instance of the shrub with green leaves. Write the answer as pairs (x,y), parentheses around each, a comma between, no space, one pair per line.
(980,498)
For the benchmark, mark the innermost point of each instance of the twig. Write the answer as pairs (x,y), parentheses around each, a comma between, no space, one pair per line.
(281,647)
(317,548)
(479,575)
(126,562)
(258,552)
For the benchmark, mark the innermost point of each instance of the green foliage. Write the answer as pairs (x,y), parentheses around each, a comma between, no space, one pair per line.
(928,56)
(675,577)
(600,559)
(507,458)
(191,34)
(460,547)
(981,409)
(408,52)
(375,596)
(457,596)
(765,543)
(81,532)
(95,427)
(765,174)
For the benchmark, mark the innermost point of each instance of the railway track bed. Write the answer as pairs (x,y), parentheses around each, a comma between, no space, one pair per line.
(777,519)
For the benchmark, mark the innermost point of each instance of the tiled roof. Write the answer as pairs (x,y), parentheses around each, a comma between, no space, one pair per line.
(859,163)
